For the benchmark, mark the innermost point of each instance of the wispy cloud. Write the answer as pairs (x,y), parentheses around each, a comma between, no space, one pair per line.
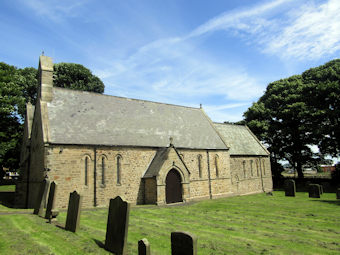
(55,10)
(304,31)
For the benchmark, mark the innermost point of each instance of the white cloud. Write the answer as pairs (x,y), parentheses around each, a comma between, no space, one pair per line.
(288,30)
(313,31)
(55,10)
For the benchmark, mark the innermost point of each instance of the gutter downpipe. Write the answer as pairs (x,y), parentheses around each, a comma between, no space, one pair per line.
(209,178)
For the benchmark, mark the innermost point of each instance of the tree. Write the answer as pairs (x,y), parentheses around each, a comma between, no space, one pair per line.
(75,76)
(298,112)
(11,100)
(281,119)
(19,86)
(322,93)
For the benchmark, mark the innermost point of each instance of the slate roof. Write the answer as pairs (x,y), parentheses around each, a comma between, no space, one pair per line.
(78,117)
(241,140)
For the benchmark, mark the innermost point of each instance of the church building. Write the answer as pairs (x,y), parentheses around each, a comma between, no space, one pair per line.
(146,152)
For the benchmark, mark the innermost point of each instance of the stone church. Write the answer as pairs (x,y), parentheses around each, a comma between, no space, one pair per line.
(146,152)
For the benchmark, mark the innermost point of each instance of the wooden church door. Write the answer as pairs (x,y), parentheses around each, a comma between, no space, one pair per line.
(173,187)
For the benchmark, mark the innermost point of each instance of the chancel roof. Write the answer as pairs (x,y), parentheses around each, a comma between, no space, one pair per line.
(240,140)
(78,117)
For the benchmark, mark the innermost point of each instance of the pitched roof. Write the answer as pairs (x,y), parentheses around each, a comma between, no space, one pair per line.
(78,117)
(241,140)
(158,161)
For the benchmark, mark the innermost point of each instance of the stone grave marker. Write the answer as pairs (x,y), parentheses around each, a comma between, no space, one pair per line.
(50,209)
(321,189)
(183,243)
(314,190)
(290,188)
(117,226)
(73,212)
(41,199)
(338,193)
(143,247)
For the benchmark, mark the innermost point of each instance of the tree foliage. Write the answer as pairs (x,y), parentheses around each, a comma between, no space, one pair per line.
(19,86)
(298,112)
(75,76)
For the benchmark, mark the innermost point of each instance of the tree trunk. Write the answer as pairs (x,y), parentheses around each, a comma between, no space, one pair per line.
(299,170)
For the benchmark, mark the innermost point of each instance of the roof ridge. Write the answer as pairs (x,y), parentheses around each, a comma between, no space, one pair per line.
(125,98)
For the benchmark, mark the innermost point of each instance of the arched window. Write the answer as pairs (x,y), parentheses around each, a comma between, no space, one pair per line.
(119,168)
(103,170)
(244,169)
(86,170)
(257,168)
(264,168)
(199,160)
(251,168)
(217,165)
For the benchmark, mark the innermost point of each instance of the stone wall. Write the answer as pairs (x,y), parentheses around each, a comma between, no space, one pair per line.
(37,159)
(250,174)
(66,164)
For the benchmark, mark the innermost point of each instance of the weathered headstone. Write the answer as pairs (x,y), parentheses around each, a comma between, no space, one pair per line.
(290,188)
(117,226)
(51,201)
(314,190)
(73,212)
(338,193)
(41,199)
(321,189)
(143,247)
(183,243)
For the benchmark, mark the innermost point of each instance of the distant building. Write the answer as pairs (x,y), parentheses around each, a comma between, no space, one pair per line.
(146,152)
(327,168)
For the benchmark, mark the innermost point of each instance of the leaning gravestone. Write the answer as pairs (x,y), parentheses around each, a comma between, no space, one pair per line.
(338,193)
(314,190)
(321,189)
(290,188)
(51,201)
(41,199)
(117,226)
(143,247)
(183,243)
(73,212)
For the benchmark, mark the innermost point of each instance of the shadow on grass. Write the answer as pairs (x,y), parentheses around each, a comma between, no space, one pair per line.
(99,243)
(333,202)
(7,198)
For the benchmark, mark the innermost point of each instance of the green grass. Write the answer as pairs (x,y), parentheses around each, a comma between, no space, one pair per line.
(256,224)
(7,188)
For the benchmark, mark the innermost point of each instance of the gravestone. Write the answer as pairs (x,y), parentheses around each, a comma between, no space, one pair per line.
(117,226)
(321,189)
(314,190)
(41,199)
(290,188)
(183,243)
(73,212)
(338,193)
(51,201)
(143,247)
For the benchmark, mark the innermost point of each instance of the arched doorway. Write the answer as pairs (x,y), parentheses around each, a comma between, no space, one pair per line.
(173,187)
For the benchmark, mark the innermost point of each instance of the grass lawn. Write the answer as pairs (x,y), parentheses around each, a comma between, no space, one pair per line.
(256,224)
(7,188)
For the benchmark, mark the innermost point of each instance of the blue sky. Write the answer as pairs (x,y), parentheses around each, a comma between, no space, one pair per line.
(221,54)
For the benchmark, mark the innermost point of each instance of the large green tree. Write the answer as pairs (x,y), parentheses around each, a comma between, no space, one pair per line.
(322,93)
(298,112)
(11,100)
(19,86)
(75,76)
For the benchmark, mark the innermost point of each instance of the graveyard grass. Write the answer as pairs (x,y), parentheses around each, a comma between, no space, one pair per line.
(254,224)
